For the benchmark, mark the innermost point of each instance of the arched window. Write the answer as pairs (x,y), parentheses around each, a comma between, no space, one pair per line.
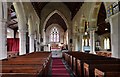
(54,35)
(105,47)
(86,42)
(106,43)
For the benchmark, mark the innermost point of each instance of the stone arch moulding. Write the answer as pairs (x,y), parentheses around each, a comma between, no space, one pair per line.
(51,14)
(82,23)
(95,5)
(22,11)
(54,25)
(93,8)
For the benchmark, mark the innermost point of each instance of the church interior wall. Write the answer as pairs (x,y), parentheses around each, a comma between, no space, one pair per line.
(31,13)
(10,33)
(87,12)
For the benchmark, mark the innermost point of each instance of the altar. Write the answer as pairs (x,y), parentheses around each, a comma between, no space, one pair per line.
(56,50)
(56,53)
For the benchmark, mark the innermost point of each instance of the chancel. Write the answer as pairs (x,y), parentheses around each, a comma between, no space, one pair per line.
(59,39)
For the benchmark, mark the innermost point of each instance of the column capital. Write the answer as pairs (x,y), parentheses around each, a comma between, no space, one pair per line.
(92,29)
(82,34)
(22,30)
(31,35)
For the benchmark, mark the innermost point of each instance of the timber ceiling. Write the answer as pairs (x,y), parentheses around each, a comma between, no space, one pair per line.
(38,6)
(56,19)
(73,7)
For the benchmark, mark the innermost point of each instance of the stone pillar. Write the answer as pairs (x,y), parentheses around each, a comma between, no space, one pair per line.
(81,46)
(21,26)
(3,32)
(22,46)
(31,43)
(3,39)
(115,35)
(31,35)
(39,44)
(70,39)
(92,41)
(76,43)
(37,40)
(44,38)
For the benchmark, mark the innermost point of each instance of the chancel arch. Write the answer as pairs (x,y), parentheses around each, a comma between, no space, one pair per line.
(58,18)
(57,8)
(51,14)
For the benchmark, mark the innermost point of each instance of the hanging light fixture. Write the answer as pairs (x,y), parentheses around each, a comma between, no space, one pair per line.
(106,29)
(86,33)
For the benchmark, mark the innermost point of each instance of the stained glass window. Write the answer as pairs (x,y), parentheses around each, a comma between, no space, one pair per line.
(115,7)
(110,10)
(54,35)
(108,43)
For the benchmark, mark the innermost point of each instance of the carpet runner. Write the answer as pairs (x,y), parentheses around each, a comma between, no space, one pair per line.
(58,68)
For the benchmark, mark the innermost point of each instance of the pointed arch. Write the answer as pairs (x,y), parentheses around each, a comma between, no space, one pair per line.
(94,11)
(21,11)
(51,14)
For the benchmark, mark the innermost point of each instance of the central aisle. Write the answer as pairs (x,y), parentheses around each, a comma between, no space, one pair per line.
(59,69)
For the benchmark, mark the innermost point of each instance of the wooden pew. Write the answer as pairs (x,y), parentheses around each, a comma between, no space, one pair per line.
(21,69)
(93,59)
(90,59)
(32,65)
(105,70)
(91,65)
